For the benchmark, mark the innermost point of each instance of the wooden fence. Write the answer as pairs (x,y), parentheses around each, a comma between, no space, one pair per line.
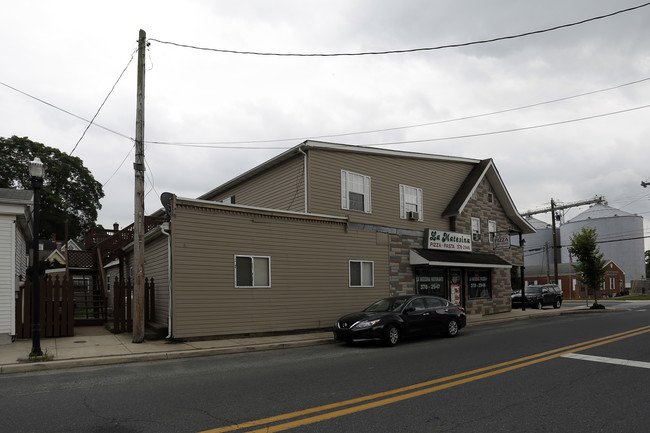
(56,308)
(123,304)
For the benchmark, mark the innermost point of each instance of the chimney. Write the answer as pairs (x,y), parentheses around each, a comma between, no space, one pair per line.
(116,227)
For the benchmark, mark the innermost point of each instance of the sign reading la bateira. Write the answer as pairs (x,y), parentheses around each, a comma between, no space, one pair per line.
(449,241)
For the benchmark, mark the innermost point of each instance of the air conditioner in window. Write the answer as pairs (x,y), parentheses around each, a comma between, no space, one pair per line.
(413,215)
(476,237)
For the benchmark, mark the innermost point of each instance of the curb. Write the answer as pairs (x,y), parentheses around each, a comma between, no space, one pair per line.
(31,367)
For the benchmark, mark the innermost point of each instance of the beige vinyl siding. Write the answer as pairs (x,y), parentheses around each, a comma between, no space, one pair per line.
(155,266)
(438,179)
(280,187)
(309,272)
(155,253)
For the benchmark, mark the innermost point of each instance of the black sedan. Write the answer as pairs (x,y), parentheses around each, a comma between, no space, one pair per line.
(390,319)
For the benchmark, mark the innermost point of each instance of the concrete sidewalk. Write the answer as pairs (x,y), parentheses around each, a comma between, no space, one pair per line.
(93,346)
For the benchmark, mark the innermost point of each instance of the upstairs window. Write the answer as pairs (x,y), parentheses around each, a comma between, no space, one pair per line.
(476,229)
(492,230)
(410,203)
(355,191)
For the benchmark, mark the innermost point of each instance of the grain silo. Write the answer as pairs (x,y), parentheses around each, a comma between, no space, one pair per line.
(620,238)
(538,250)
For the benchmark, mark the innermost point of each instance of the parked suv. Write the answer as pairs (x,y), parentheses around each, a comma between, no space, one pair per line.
(538,296)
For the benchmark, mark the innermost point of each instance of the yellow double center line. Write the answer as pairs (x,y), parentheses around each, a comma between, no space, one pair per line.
(347,407)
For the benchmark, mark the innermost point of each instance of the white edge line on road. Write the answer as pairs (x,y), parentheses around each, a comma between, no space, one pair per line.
(625,362)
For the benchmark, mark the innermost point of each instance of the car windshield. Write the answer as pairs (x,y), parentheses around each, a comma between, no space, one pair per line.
(385,305)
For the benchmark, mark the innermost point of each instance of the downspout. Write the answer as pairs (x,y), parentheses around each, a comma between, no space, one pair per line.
(163,226)
(304,171)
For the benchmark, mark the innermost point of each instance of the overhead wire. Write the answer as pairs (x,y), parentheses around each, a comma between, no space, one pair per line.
(66,111)
(90,123)
(409,50)
(424,140)
(438,122)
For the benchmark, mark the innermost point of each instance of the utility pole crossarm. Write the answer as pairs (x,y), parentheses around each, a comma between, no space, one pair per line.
(596,199)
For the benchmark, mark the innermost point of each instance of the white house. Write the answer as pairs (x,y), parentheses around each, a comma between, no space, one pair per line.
(15,233)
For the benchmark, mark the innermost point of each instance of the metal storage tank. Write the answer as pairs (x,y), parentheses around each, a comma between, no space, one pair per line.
(535,247)
(620,238)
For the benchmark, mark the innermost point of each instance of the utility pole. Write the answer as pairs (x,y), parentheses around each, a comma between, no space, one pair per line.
(554,207)
(554,241)
(138,217)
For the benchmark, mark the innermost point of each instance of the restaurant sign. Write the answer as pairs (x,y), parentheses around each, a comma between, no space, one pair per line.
(449,241)
(502,241)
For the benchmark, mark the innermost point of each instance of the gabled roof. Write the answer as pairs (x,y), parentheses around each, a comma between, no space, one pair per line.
(485,169)
(310,144)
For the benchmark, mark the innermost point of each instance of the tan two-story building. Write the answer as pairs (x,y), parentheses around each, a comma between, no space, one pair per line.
(325,229)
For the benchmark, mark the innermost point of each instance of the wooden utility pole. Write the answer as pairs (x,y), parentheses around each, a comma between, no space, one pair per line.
(553,209)
(555,244)
(138,217)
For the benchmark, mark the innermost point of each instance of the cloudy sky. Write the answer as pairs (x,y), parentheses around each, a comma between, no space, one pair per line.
(564,114)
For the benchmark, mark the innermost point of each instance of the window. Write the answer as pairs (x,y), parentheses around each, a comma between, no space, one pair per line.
(410,203)
(418,304)
(490,197)
(492,230)
(434,302)
(362,273)
(355,191)
(229,200)
(476,229)
(81,284)
(480,283)
(252,271)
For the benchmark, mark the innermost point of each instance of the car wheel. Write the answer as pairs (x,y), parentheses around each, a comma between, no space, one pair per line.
(539,305)
(452,328)
(558,303)
(391,335)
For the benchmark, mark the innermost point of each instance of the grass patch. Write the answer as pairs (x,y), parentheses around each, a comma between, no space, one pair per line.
(635,298)
(46,356)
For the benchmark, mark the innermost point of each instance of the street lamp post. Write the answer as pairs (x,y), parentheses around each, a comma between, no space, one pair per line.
(36,171)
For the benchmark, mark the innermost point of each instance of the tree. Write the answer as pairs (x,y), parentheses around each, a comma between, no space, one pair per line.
(591,266)
(70,192)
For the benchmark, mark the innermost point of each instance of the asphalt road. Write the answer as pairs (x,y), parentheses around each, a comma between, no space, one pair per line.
(523,376)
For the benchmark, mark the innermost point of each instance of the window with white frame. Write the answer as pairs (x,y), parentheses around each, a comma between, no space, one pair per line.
(252,271)
(492,230)
(362,273)
(410,203)
(476,229)
(355,191)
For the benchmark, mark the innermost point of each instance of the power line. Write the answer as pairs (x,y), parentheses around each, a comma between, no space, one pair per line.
(103,102)
(425,140)
(396,128)
(66,111)
(409,50)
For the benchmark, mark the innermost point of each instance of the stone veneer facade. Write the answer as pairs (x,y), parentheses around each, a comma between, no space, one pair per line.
(402,277)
